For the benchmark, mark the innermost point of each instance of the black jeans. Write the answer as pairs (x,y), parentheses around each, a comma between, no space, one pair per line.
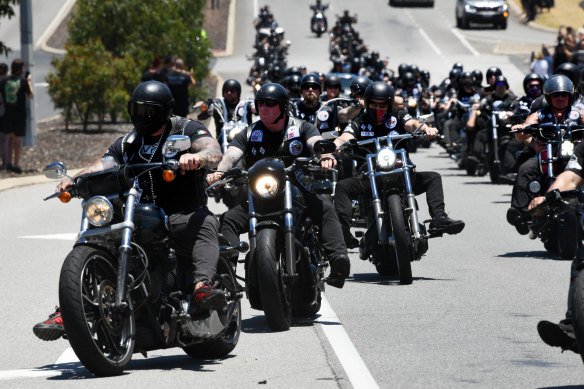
(528,172)
(320,209)
(195,234)
(349,189)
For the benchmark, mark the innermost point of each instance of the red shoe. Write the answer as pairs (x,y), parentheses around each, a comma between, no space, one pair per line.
(207,297)
(52,328)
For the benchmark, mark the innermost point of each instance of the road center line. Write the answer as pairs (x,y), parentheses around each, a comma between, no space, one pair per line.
(350,359)
(430,42)
(462,39)
(66,363)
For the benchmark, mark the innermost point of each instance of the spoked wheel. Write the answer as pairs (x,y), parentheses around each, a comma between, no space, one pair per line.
(401,238)
(102,339)
(226,342)
(578,312)
(275,292)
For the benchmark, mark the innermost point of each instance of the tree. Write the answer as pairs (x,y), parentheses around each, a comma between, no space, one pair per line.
(6,10)
(111,42)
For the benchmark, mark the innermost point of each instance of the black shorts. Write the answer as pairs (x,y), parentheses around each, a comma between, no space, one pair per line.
(15,126)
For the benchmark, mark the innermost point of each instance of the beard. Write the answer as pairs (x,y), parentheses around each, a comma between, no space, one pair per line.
(310,99)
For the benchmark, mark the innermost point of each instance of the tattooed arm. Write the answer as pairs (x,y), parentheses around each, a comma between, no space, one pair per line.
(206,153)
(231,157)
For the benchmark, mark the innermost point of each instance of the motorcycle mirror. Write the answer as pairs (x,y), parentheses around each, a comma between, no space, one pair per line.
(55,170)
(324,147)
(429,118)
(175,144)
(329,135)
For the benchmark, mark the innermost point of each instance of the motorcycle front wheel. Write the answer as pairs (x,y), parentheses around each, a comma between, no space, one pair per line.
(401,238)
(578,312)
(102,340)
(226,342)
(567,235)
(275,292)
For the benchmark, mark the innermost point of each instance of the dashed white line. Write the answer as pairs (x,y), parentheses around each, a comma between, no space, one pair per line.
(430,42)
(356,370)
(462,39)
(68,236)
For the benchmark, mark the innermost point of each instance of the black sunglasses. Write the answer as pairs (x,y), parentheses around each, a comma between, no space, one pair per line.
(267,103)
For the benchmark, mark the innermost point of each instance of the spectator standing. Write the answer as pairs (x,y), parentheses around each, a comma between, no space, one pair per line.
(3,135)
(540,65)
(179,82)
(154,72)
(14,90)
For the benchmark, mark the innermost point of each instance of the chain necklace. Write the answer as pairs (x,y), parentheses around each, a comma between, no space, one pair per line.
(150,160)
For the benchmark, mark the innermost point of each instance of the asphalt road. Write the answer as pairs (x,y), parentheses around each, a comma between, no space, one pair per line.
(468,320)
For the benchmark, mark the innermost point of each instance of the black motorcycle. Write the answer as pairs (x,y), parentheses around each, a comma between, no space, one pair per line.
(318,22)
(119,288)
(395,236)
(556,143)
(285,267)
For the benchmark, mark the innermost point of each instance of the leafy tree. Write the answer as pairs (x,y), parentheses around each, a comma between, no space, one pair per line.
(111,42)
(90,81)
(6,10)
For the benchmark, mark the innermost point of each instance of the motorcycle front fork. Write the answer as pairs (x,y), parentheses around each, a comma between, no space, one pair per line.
(125,251)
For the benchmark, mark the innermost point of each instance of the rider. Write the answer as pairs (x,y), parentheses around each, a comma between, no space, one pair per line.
(358,86)
(231,92)
(277,134)
(559,95)
(194,227)
(492,73)
(562,334)
(310,108)
(379,119)
(332,87)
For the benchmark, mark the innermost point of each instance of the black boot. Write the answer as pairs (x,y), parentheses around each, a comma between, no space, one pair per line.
(340,269)
(558,335)
(445,225)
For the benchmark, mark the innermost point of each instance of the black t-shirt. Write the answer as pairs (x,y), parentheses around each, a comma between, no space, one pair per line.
(178,83)
(14,90)
(286,144)
(186,192)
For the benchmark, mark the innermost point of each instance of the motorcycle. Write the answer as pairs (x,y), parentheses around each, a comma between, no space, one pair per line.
(318,22)
(558,233)
(395,236)
(119,287)
(285,266)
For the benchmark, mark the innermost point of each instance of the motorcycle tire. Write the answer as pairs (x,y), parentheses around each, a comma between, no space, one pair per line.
(224,344)
(494,171)
(103,342)
(385,261)
(306,296)
(567,235)
(275,292)
(578,312)
(401,238)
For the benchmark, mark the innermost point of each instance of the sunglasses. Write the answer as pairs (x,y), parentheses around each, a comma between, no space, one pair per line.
(267,103)
(313,87)
(560,94)
(500,84)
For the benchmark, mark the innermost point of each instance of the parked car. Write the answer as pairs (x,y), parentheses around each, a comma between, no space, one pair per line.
(495,12)
(424,3)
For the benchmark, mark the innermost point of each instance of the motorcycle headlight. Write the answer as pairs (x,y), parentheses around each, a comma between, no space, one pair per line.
(386,159)
(412,102)
(266,186)
(567,148)
(99,211)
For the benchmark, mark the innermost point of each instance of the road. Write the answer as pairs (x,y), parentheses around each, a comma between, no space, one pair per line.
(468,320)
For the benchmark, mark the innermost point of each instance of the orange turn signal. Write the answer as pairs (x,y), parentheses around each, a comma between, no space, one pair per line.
(168,175)
(65,197)
(505,14)
(204,107)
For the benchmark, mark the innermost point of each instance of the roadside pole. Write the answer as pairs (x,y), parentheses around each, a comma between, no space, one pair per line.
(26,48)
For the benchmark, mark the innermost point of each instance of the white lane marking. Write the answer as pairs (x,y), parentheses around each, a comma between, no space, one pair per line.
(464,42)
(41,84)
(350,359)
(430,42)
(68,236)
(55,23)
(66,363)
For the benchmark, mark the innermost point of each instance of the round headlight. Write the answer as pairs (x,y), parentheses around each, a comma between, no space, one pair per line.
(99,211)
(266,186)
(567,148)
(386,159)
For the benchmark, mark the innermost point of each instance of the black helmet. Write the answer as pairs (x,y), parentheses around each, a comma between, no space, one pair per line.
(458,65)
(532,77)
(571,71)
(478,77)
(454,73)
(558,83)
(501,80)
(274,92)
(402,68)
(310,79)
(408,80)
(379,90)
(232,84)
(466,78)
(293,70)
(150,107)
(493,71)
(425,76)
(332,81)
(359,84)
